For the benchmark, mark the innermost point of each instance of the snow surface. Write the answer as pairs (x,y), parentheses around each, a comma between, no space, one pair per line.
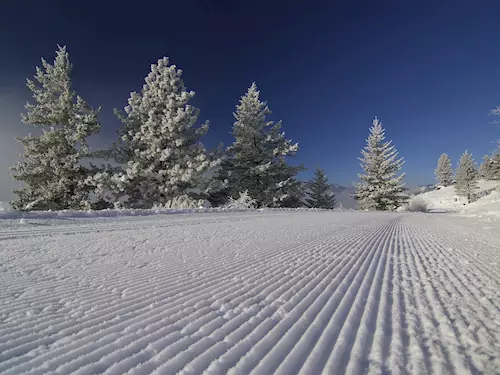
(271,292)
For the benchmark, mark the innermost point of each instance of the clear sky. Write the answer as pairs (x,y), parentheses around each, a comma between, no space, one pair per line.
(428,69)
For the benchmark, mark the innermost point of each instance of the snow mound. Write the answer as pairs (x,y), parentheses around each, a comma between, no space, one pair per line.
(6,207)
(130,212)
(445,199)
(487,207)
(244,202)
(417,204)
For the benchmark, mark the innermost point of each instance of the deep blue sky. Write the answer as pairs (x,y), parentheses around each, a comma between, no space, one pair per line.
(430,70)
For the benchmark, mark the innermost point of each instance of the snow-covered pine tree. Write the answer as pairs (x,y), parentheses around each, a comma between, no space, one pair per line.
(159,142)
(494,170)
(320,192)
(483,171)
(495,159)
(490,167)
(380,188)
(444,171)
(51,167)
(466,176)
(256,161)
(487,168)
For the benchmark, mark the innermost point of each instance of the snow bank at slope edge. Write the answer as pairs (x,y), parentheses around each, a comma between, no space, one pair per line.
(13,214)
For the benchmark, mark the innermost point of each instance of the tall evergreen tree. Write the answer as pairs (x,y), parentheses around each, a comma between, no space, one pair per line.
(466,177)
(159,142)
(320,192)
(444,171)
(51,166)
(256,161)
(380,188)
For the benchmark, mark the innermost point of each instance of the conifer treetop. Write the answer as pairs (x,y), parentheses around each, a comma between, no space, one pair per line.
(251,126)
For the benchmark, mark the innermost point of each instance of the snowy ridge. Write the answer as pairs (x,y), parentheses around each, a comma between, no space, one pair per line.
(258,292)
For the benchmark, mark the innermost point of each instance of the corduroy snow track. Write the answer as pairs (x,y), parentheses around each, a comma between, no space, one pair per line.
(251,293)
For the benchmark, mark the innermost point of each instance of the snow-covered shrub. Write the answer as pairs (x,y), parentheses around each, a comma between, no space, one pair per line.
(182,202)
(418,204)
(244,202)
(6,207)
(339,207)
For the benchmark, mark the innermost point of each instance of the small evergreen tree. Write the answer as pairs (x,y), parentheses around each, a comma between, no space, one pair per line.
(380,188)
(51,166)
(484,168)
(159,143)
(444,171)
(256,161)
(466,177)
(320,192)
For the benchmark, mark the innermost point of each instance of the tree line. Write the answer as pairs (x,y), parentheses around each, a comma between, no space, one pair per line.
(465,177)
(158,159)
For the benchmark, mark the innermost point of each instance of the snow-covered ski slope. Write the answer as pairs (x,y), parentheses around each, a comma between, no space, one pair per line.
(250,293)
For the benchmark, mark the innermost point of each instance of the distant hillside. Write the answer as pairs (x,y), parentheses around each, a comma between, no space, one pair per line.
(344,195)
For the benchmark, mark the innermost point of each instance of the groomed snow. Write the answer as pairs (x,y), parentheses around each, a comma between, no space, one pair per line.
(257,292)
